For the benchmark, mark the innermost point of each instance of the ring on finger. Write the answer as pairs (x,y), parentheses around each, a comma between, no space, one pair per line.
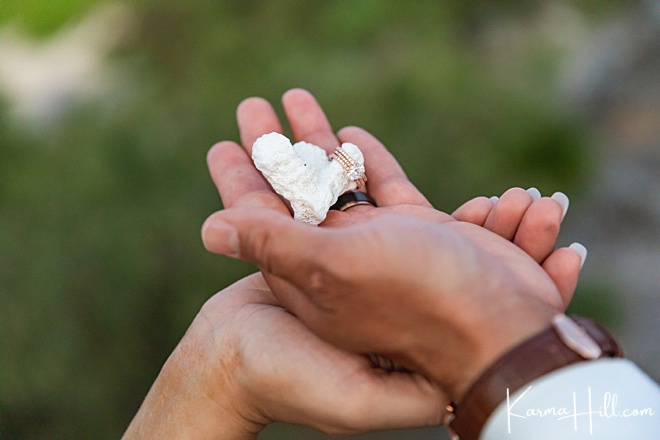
(353,198)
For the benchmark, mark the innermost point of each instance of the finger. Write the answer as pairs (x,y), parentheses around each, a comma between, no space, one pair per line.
(392,400)
(539,228)
(307,120)
(474,211)
(290,250)
(563,266)
(506,215)
(275,243)
(256,117)
(238,181)
(388,183)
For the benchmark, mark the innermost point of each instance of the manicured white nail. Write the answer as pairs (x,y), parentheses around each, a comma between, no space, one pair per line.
(494,199)
(581,251)
(534,193)
(562,199)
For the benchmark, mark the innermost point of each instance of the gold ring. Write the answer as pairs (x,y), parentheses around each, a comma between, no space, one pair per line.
(355,171)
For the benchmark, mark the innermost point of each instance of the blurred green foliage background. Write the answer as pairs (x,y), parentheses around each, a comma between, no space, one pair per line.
(102,195)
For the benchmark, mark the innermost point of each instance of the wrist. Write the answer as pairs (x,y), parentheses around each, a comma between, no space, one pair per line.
(472,348)
(490,349)
(180,405)
(567,341)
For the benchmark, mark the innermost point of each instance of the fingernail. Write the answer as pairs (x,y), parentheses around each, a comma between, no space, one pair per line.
(534,193)
(220,237)
(581,251)
(494,199)
(562,199)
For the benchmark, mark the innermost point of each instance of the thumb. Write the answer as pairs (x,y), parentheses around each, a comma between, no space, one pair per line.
(274,242)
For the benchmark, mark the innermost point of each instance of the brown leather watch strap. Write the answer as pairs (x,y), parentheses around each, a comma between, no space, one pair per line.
(541,354)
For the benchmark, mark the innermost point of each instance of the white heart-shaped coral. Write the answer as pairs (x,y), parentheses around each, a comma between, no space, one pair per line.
(303,174)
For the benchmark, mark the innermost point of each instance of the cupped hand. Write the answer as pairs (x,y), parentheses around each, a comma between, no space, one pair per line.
(241,185)
(441,296)
(533,225)
(245,361)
